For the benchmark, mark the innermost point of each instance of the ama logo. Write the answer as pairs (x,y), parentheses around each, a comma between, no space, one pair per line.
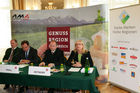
(20,17)
(124,17)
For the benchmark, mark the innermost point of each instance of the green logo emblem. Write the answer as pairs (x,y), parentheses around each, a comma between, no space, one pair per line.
(124,17)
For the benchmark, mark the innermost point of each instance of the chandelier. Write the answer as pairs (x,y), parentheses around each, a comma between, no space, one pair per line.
(50,6)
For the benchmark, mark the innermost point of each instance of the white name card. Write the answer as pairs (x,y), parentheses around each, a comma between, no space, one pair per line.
(90,70)
(43,71)
(9,69)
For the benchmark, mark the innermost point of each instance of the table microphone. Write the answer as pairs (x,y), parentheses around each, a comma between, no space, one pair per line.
(67,72)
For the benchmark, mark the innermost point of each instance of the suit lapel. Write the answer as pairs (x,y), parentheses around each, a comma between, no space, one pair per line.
(76,57)
(82,57)
(15,50)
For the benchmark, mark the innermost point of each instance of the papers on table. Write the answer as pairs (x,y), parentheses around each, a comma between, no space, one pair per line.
(74,69)
(55,70)
(3,63)
(90,70)
(82,70)
(22,66)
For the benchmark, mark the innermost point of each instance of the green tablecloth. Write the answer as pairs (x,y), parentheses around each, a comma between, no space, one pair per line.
(76,80)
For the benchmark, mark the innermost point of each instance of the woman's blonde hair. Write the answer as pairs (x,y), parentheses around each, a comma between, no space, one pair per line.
(83,49)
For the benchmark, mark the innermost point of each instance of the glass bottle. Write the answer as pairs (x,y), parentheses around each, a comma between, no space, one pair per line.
(87,67)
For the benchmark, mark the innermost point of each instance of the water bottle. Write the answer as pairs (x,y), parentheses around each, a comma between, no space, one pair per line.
(87,67)
(62,68)
(32,64)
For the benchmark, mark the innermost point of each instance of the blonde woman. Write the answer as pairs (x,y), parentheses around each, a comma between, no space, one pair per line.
(78,56)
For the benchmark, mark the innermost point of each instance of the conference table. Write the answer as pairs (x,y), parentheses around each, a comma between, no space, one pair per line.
(76,80)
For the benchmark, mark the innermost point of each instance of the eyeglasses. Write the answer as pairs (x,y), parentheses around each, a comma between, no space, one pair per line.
(78,44)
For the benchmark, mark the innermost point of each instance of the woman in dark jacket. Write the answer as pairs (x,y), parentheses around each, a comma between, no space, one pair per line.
(78,56)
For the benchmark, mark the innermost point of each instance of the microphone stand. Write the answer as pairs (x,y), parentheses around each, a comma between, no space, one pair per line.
(67,72)
(67,67)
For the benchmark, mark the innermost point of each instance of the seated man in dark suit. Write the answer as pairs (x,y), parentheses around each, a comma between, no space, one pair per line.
(11,54)
(53,57)
(28,54)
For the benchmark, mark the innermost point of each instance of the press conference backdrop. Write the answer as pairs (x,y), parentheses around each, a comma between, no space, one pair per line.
(88,24)
(124,65)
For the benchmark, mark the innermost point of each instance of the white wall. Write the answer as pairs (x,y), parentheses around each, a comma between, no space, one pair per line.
(111,3)
(122,3)
(5,26)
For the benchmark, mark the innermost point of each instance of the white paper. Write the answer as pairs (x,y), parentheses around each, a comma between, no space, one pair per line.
(22,66)
(43,71)
(74,69)
(9,69)
(90,70)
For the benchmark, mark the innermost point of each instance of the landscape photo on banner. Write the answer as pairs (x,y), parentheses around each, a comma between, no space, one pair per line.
(89,24)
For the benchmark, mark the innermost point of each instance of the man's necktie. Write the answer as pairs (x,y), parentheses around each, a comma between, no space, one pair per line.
(26,55)
(11,55)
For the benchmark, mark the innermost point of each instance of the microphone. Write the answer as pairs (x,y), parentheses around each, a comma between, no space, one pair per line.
(67,67)
(72,61)
(67,72)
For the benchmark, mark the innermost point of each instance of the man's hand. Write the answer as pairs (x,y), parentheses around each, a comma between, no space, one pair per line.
(78,64)
(42,64)
(24,61)
(51,65)
(5,60)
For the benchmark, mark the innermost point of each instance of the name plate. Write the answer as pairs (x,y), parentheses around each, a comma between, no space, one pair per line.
(9,69)
(42,71)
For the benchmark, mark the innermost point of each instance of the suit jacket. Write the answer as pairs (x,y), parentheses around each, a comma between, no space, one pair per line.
(15,54)
(57,57)
(74,56)
(32,56)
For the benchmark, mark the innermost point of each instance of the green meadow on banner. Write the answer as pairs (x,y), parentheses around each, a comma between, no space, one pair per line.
(89,24)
